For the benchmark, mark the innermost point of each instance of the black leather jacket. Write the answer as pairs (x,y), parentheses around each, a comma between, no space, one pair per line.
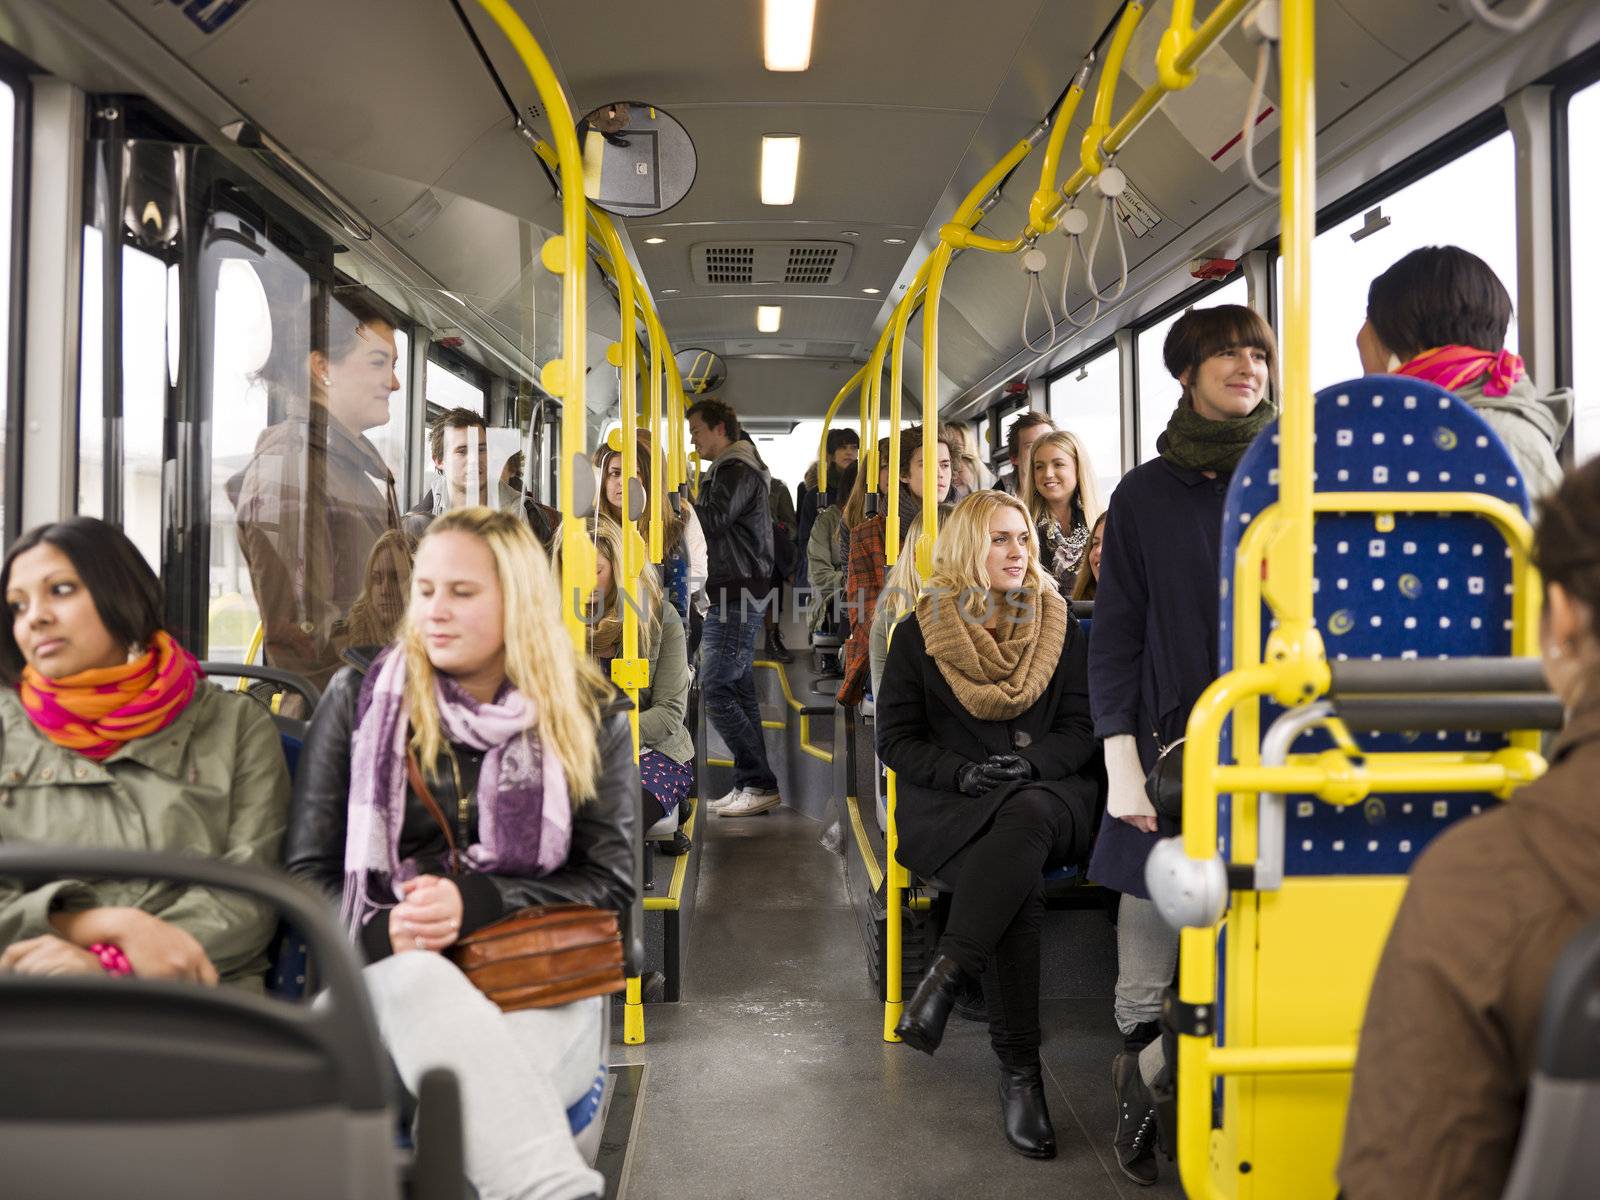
(601,867)
(734,512)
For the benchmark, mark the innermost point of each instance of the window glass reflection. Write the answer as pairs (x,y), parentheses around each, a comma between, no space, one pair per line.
(1087,401)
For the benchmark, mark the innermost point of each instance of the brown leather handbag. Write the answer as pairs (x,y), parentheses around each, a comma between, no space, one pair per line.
(538,957)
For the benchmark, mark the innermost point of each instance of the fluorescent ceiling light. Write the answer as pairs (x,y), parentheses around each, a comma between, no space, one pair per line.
(787,34)
(780,163)
(894,241)
(655,241)
(768,318)
(870,291)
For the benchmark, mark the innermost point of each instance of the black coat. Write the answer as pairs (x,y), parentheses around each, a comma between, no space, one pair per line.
(600,867)
(926,736)
(735,513)
(1154,648)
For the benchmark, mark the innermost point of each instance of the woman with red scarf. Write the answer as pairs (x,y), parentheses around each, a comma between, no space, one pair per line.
(109,739)
(1441,314)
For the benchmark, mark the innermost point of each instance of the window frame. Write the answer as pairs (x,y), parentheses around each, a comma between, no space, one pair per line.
(1565,83)
(15,72)
(1076,363)
(1187,298)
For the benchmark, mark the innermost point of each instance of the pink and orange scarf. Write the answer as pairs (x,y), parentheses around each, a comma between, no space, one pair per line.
(1452,367)
(95,712)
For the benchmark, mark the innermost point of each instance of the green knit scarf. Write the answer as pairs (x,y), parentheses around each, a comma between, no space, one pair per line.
(1199,444)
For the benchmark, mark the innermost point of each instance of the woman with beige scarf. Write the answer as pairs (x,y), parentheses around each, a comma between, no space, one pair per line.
(984,717)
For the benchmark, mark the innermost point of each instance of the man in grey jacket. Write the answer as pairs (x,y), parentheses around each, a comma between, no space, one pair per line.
(732,506)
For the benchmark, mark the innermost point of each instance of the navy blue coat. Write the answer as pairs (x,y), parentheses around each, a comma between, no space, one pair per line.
(926,736)
(1154,648)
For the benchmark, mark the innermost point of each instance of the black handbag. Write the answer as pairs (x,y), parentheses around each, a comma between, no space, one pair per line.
(1164,784)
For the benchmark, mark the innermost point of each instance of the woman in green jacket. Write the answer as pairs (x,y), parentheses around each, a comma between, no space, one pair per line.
(110,738)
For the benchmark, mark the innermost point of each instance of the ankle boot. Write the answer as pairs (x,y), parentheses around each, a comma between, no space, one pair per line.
(922,1023)
(1135,1140)
(1027,1119)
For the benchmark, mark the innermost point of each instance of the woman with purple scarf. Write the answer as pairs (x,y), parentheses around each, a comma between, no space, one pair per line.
(529,757)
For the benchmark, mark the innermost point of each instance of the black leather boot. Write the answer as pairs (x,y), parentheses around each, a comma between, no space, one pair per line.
(922,1023)
(1027,1119)
(1134,1143)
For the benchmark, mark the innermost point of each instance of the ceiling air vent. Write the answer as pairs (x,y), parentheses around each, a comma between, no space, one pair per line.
(793,264)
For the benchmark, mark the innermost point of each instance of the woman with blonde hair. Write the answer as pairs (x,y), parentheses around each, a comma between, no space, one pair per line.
(482,703)
(1063,498)
(984,716)
(899,597)
(666,752)
(683,542)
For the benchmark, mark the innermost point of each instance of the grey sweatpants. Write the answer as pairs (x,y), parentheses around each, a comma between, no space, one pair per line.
(518,1072)
(1147,956)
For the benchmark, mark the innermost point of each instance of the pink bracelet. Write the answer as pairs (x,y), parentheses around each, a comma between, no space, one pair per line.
(112,958)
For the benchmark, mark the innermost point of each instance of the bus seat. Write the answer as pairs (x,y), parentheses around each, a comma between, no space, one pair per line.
(1294,965)
(1558,1156)
(135,1087)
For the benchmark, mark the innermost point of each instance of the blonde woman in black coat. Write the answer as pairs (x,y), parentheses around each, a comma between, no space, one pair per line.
(984,717)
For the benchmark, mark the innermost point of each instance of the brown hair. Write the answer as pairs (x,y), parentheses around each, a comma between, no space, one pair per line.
(1566,546)
(456,418)
(671,522)
(855,508)
(1020,426)
(713,413)
(1087,585)
(1202,332)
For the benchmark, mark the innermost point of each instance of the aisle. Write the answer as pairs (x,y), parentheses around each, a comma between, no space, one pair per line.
(770,1078)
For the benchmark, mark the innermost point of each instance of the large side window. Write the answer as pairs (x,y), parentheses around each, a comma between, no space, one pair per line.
(1087,401)
(452,389)
(1583,130)
(1159,392)
(1469,202)
(8,159)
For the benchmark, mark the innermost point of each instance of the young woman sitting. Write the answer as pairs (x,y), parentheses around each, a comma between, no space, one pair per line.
(666,752)
(110,738)
(984,717)
(1089,580)
(1059,488)
(512,732)
(683,542)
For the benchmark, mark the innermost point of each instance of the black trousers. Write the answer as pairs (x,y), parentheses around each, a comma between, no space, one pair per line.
(996,910)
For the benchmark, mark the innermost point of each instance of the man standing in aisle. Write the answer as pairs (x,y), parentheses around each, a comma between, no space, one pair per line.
(733,511)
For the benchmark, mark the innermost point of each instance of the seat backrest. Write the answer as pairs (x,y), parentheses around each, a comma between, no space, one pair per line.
(138,1087)
(1558,1156)
(1420,585)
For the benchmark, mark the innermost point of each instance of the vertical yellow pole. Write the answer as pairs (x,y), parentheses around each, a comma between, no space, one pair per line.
(930,404)
(658,454)
(895,879)
(827,423)
(897,366)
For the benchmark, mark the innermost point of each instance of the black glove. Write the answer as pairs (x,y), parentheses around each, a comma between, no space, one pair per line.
(999,769)
(970,779)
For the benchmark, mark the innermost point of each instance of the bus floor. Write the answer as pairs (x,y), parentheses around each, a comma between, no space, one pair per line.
(770,1079)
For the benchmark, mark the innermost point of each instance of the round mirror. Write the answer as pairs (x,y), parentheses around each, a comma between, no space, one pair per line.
(637,159)
(702,370)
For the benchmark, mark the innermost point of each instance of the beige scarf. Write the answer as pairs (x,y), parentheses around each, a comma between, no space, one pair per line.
(996,675)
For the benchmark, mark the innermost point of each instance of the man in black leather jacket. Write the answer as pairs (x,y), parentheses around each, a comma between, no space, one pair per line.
(733,511)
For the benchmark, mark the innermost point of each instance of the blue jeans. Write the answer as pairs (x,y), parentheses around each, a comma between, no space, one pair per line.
(728,687)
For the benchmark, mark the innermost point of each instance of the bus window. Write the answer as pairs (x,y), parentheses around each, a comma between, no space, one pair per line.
(1469,202)
(8,130)
(448,389)
(1583,127)
(1087,401)
(391,439)
(1158,391)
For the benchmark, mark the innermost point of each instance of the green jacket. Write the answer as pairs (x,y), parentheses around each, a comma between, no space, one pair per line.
(663,704)
(212,783)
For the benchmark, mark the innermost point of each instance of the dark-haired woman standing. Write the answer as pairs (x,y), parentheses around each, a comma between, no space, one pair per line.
(1452,1024)
(1442,314)
(109,738)
(1153,652)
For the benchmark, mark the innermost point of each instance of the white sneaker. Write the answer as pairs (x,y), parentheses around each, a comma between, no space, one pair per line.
(722,802)
(751,803)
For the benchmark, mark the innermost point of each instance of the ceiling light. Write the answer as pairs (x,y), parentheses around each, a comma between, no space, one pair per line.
(669,291)
(780,163)
(787,34)
(894,241)
(848,233)
(654,241)
(768,317)
(870,291)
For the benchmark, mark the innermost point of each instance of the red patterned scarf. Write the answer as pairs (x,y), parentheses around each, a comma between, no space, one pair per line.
(1452,367)
(94,712)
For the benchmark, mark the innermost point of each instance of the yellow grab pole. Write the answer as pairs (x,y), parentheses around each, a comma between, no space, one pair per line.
(827,423)
(658,350)
(1042,207)
(565,254)
(897,363)
(1106,93)
(895,879)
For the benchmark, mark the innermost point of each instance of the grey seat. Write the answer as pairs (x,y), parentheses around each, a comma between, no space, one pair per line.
(135,1087)
(1558,1156)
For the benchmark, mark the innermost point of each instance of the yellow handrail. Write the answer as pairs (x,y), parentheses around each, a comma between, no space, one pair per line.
(1105,95)
(850,385)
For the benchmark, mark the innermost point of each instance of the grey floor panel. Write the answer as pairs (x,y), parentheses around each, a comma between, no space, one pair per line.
(774,954)
(756,874)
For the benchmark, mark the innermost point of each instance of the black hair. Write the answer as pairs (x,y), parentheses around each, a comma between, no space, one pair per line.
(842,483)
(1202,332)
(713,413)
(1020,426)
(328,322)
(456,418)
(126,593)
(838,439)
(1439,296)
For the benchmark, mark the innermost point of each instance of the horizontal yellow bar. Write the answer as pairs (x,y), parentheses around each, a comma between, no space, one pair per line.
(719,762)
(868,858)
(774,725)
(660,904)
(816,752)
(1279,1060)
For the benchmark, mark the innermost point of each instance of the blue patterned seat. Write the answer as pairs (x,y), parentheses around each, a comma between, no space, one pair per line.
(1429,585)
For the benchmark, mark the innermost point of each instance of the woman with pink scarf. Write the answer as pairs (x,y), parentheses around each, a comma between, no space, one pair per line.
(1441,314)
(528,756)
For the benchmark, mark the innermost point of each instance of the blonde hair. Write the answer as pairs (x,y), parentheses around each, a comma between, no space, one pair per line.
(565,688)
(607,537)
(960,556)
(904,583)
(1087,494)
(1088,584)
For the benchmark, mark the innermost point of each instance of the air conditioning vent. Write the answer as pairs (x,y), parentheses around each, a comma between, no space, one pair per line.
(792,264)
